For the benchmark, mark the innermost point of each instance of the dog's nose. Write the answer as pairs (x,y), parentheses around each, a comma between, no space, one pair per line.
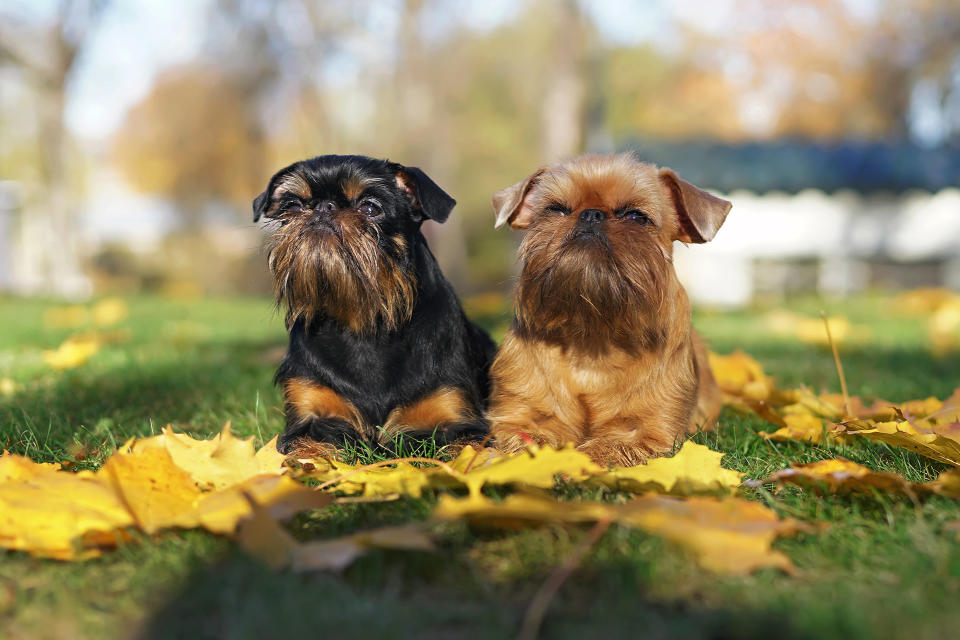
(327,206)
(591,216)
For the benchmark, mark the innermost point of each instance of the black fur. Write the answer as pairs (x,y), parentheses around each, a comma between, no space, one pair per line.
(380,370)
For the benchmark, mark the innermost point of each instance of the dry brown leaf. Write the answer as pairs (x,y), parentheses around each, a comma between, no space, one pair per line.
(693,469)
(936,436)
(842,476)
(946,484)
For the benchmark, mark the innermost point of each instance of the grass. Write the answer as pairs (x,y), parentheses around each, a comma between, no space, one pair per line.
(882,568)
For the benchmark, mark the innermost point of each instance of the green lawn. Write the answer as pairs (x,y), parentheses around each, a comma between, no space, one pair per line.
(883,568)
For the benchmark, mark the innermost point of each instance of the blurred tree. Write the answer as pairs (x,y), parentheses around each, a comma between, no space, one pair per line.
(819,69)
(192,140)
(46,54)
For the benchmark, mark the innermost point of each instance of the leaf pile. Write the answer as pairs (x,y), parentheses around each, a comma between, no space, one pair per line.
(227,487)
(152,484)
(928,426)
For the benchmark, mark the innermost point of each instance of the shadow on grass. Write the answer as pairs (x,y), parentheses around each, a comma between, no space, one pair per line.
(403,595)
(197,389)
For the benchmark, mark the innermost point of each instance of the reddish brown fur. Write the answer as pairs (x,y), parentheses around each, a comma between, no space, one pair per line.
(357,284)
(602,353)
(307,399)
(443,406)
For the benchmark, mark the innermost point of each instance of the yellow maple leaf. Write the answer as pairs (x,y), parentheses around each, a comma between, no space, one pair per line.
(398,478)
(219,462)
(740,375)
(694,469)
(935,436)
(804,427)
(839,475)
(72,352)
(534,467)
(57,514)
(158,493)
(281,496)
(725,535)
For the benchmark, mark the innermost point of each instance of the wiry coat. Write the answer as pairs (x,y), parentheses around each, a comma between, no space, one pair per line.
(602,352)
(379,345)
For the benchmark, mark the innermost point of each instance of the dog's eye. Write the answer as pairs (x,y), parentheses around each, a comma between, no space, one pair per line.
(556,207)
(637,216)
(292,207)
(369,208)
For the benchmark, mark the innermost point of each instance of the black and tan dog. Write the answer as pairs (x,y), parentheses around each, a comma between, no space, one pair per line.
(380,348)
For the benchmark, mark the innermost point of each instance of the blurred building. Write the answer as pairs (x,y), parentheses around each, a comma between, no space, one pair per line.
(832,219)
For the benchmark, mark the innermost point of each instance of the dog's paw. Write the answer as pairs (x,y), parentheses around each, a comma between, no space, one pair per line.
(315,434)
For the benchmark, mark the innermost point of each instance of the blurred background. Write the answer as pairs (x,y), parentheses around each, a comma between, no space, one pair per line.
(134,134)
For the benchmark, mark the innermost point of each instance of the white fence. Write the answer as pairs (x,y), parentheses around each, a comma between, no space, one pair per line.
(839,234)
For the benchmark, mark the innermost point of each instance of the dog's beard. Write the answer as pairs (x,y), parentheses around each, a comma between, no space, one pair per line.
(592,292)
(341,273)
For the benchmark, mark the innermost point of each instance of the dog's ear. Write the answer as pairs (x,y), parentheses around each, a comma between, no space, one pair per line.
(260,204)
(425,194)
(699,214)
(510,204)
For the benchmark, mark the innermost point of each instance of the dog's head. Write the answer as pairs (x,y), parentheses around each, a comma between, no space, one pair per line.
(597,257)
(345,227)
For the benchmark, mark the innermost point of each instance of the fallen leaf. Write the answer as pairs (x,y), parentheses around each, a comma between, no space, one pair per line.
(727,535)
(7,387)
(218,463)
(519,510)
(693,469)
(533,467)
(57,514)
(68,317)
(924,300)
(842,476)
(222,511)
(109,311)
(946,484)
(72,352)
(803,427)
(400,478)
(740,375)
(158,493)
(934,438)
(263,537)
